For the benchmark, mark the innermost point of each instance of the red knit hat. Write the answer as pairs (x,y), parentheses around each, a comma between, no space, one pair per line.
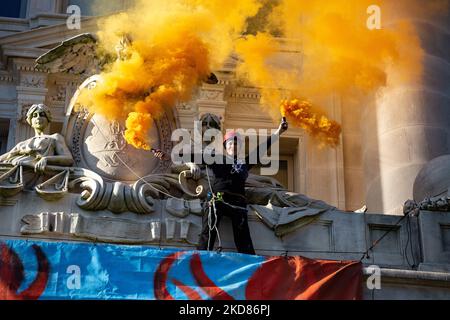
(231,135)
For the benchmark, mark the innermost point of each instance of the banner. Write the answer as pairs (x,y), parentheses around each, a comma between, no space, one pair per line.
(70,270)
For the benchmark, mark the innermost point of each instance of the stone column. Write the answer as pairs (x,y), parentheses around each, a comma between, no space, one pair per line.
(11,134)
(61,88)
(409,125)
(186,114)
(211,100)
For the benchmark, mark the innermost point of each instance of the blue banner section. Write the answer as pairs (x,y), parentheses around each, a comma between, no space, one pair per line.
(69,270)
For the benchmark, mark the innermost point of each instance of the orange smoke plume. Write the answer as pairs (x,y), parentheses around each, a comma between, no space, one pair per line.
(302,114)
(137,127)
(326,49)
(175,44)
(168,57)
(155,76)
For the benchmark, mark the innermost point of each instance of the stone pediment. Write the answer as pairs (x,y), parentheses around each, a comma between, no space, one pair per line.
(40,39)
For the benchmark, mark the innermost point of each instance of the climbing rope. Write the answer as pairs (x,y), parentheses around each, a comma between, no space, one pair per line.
(132,171)
(211,204)
(212,210)
(376,242)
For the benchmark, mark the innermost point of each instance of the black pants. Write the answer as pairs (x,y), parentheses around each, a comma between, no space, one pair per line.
(239,221)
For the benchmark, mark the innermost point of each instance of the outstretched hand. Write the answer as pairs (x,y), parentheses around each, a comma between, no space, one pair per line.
(283,126)
(40,165)
(158,154)
(195,170)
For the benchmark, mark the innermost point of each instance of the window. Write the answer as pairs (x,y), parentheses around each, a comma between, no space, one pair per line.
(100,7)
(13,8)
(284,174)
(4,130)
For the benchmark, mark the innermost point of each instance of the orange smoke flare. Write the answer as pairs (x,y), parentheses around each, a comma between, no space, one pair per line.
(302,114)
(173,47)
(175,44)
(138,125)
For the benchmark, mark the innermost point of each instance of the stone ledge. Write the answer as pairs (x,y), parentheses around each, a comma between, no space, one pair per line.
(436,279)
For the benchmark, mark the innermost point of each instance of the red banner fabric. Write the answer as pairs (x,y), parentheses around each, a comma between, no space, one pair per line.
(300,278)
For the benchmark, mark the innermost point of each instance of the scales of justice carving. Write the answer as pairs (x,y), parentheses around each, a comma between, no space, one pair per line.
(121,194)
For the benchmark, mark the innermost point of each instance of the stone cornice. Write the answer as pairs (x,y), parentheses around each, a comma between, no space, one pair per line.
(246,94)
(439,279)
(31,90)
(48,35)
(6,77)
(230,64)
(9,20)
(24,64)
(49,15)
(27,44)
(9,51)
(47,19)
(13,25)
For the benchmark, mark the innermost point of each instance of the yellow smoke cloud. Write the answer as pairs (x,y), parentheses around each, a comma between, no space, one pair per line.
(138,125)
(339,53)
(174,45)
(302,114)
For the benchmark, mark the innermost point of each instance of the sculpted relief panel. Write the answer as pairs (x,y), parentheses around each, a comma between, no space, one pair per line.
(106,151)
(99,144)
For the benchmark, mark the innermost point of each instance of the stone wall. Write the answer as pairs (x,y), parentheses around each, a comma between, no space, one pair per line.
(414,256)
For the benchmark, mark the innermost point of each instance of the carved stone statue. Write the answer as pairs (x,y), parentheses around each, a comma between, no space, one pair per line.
(42,149)
(43,156)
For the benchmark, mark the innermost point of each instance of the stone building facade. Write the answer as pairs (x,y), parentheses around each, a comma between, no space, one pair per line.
(384,145)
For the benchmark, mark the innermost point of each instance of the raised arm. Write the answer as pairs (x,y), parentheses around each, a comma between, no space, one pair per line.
(188,163)
(254,154)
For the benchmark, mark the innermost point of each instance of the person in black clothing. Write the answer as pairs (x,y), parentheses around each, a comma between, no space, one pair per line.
(229,181)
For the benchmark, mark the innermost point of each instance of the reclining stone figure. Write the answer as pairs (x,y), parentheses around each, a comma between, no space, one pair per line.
(42,149)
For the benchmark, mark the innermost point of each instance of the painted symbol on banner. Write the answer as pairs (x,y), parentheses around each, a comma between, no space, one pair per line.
(275,278)
(203,281)
(12,275)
